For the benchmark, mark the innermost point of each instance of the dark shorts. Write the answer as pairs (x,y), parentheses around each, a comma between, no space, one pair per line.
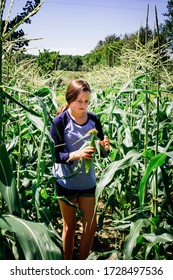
(68,193)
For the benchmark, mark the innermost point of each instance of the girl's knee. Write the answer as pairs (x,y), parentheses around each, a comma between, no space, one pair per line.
(69,227)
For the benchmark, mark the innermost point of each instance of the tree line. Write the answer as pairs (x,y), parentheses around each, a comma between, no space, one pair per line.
(107,52)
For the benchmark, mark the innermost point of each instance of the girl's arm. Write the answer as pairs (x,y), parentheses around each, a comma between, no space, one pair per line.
(57,134)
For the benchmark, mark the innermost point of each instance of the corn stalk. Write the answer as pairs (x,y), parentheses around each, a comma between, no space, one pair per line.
(1,92)
(155,182)
(147,98)
(2,6)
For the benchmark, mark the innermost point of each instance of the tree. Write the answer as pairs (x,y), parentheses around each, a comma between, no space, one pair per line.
(100,45)
(47,61)
(70,63)
(108,40)
(167,28)
(106,52)
(92,59)
(111,39)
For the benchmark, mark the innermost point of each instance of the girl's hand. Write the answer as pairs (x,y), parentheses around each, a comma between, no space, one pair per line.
(87,152)
(84,153)
(105,143)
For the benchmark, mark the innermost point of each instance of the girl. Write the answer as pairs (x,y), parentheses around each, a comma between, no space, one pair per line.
(72,123)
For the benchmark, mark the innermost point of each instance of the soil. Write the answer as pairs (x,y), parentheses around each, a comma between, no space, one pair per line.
(104,242)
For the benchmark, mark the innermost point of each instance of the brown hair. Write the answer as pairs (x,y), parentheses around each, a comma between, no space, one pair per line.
(72,92)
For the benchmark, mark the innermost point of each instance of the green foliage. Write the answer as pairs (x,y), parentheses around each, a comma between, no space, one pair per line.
(47,61)
(35,240)
(25,191)
(155,162)
(167,27)
(8,183)
(136,183)
(122,176)
(70,63)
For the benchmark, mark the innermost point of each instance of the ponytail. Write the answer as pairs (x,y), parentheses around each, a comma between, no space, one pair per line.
(62,109)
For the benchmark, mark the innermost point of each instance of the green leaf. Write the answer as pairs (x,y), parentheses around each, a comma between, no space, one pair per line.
(42,92)
(158,238)
(112,255)
(37,121)
(20,104)
(154,163)
(138,101)
(8,182)
(112,168)
(131,238)
(154,239)
(35,239)
(44,127)
(44,193)
(128,142)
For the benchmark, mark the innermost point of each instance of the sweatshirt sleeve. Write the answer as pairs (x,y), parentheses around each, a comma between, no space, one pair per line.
(57,134)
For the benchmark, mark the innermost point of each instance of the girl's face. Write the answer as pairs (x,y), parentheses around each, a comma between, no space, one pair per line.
(81,102)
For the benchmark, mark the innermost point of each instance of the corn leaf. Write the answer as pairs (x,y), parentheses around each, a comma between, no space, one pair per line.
(20,104)
(131,239)
(154,163)
(42,125)
(36,240)
(37,121)
(154,239)
(158,238)
(138,101)
(128,142)
(43,92)
(112,255)
(112,168)
(8,182)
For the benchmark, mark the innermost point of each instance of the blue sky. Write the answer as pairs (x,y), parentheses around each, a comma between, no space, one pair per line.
(75,27)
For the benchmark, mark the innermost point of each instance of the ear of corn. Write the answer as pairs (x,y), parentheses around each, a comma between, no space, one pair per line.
(92,143)
(88,163)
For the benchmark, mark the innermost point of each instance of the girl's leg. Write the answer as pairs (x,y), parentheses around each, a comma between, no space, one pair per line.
(87,204)
(69,225)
